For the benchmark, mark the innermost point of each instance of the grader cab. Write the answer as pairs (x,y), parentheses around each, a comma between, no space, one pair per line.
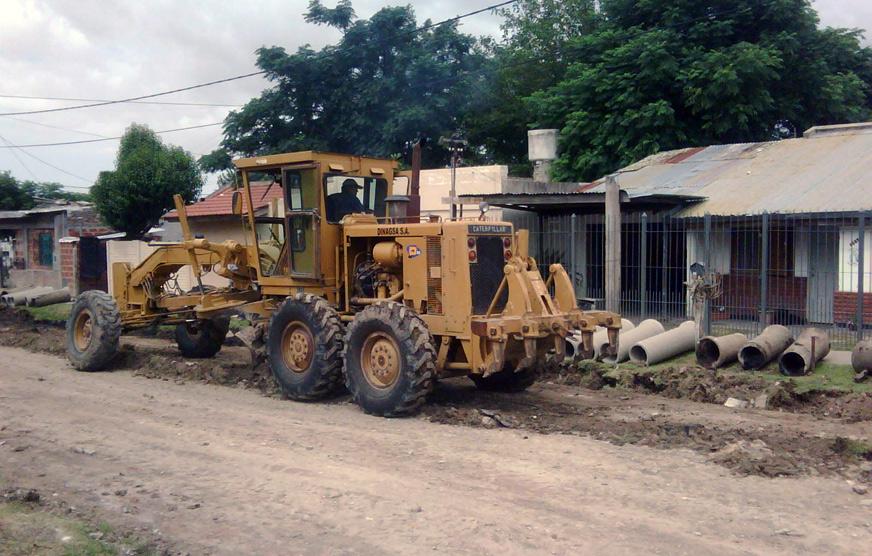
(349,287)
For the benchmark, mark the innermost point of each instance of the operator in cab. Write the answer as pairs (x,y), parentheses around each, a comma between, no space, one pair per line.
(345,202)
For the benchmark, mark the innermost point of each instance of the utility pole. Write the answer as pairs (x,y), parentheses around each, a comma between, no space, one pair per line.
(613,245)
(455,145)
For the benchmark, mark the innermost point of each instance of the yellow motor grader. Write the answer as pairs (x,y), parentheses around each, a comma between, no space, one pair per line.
(348,286)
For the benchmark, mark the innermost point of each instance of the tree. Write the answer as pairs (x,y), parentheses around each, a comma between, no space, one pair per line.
(147,174)
(379,87)
(12,195)
(661,74)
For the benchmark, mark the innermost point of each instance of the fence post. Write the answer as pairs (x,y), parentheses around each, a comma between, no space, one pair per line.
(643,266)
(764,270)
(707,261)
(664,266)
(573,257)
(861,267)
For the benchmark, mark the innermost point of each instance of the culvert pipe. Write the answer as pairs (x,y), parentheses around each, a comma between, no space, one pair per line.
(21,297)
(764,348)
(51,298)
(666,345)
(811,346)
(600,337)
(714,352)
(861,356)
(626,340)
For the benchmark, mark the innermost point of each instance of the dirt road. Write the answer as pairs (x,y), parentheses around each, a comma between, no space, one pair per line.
(221,470)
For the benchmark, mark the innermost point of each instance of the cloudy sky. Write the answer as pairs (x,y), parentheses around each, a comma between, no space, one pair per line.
(94,49)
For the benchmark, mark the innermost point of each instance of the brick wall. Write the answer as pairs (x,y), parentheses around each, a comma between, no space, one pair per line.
(68,259)
(86,223)
(845,307)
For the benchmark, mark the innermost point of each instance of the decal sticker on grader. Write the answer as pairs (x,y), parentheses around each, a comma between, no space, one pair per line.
(413,251)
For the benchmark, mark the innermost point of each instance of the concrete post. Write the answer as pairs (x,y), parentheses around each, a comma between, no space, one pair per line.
(613,246)
(707,261)
(764,271)
(573,256)
(643,266)
(861,267)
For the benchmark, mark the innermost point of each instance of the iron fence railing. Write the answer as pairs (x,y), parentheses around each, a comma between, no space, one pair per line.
(793,269)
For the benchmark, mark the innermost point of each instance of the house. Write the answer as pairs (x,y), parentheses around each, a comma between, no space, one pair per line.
(55,244)
(785,225)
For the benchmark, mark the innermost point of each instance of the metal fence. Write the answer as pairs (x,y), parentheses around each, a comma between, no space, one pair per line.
(792,269)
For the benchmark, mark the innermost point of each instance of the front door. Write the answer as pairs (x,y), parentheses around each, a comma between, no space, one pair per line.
(823,249)
(302,221)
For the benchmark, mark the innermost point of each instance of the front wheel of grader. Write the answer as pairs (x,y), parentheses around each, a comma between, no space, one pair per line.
(304,347)
(93,331)
(390,361)
(203,338)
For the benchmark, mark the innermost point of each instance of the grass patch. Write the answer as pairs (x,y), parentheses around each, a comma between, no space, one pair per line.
(28,529)
(827,377)
(57,313)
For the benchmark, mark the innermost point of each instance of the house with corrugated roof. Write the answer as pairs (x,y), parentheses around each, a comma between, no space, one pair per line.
(785,225)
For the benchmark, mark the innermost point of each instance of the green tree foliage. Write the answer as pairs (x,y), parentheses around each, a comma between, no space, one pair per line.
(16,195)
(378,88)
(147,174)
(655,75)
(12,195)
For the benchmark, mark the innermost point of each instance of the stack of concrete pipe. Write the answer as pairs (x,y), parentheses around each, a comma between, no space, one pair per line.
(13,299)
(663,346)
(600,336)
(714,352)
(55,296)
(764,348)
(626,340)
(811,346)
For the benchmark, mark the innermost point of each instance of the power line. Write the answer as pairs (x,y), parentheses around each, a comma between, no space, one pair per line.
(32,145)
(29,171)
(28,97)
(131,99)
(235,77)
(59,169)
(59,127)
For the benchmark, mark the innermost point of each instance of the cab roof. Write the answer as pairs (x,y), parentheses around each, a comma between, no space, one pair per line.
(337,161)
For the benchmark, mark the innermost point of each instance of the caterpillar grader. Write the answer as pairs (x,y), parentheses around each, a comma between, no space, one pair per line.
(348,287)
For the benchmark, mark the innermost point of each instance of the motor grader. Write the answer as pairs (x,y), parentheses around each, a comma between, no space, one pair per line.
(379,301)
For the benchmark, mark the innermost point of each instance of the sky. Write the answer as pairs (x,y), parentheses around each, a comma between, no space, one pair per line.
(94,49)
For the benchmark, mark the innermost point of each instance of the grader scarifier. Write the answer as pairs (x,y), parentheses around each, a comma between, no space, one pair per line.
(347,286)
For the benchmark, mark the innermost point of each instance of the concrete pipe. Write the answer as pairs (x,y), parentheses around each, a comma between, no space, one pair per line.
(861,356)
(799,358)
(57,296)
(601,337)
(20,298)
(626,340)
(764,348)
(664,346)
(714,352)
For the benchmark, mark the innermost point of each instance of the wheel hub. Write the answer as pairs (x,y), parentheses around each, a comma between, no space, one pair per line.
(83,330)
(298,347)
(380,360)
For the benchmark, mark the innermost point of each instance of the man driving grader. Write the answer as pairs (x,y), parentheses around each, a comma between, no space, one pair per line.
(378,301)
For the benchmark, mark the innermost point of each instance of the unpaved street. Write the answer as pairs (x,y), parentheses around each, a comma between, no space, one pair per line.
(227,471)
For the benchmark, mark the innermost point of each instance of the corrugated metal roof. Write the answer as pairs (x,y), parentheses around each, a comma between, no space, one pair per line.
(74,206)
(828,171)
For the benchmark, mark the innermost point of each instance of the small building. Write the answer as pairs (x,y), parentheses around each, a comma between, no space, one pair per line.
(55,244)
(786,225)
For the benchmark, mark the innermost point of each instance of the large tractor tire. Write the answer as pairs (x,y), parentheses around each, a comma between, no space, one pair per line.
(390,361)
(304,347)
(93,331)
(203,338)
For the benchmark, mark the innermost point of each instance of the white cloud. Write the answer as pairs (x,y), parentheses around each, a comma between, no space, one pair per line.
(100,49)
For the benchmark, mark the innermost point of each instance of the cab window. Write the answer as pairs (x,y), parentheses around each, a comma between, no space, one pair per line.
(339,196)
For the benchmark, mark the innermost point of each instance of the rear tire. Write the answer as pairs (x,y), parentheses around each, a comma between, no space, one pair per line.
(304,347)
(389,360)
(202,339)
(93,331)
